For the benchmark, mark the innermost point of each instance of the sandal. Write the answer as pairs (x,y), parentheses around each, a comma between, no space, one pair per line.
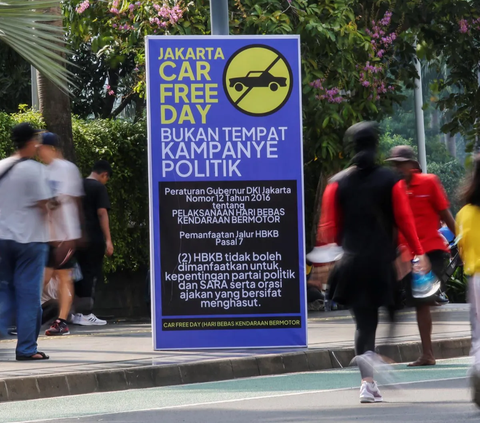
(42,355)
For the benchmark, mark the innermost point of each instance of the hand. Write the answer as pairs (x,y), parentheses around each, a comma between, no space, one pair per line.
(424,264)
(109,250)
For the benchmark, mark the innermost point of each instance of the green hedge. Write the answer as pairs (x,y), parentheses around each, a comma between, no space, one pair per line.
(124,145)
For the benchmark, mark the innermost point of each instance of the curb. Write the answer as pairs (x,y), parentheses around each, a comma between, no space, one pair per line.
(35,387)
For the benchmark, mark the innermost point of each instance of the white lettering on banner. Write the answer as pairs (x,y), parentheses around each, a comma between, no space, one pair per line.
(217,152)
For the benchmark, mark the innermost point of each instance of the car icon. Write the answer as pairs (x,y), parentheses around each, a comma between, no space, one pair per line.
(256,79)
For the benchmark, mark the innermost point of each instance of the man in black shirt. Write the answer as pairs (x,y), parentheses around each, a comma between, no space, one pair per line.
(99,242)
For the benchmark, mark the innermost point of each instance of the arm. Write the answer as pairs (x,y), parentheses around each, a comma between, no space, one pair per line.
(404,217)
(328,227)
(105,225)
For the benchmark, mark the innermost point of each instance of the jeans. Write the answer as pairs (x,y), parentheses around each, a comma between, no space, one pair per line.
(21,281)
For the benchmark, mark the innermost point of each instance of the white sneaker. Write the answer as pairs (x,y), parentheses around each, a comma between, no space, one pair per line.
(369,393)
(90,320)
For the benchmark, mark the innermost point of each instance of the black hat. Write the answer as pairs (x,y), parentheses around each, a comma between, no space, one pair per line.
(49,138)
(22,133)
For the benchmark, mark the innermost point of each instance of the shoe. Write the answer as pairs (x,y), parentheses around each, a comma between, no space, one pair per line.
(369,393)
(12,331)
(475,382)
(58,328)
(89,320)
(316,305)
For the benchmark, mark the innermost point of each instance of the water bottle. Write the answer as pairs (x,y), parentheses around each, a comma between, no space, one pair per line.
(423,284)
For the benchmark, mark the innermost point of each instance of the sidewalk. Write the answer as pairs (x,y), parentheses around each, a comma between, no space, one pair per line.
(119,355)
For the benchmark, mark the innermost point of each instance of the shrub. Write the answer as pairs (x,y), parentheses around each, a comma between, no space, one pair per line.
(124,145)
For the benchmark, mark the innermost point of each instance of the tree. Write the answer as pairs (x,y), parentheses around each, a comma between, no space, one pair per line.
(54,103)
(24,26)
(108,41)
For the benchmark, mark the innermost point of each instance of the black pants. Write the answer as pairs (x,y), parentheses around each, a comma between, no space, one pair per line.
(367,321)
(90,261)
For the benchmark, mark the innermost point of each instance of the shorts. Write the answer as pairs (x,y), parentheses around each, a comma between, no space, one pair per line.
(439,261)
(69,264)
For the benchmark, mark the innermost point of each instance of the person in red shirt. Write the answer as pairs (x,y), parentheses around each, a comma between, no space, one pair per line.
(430,207)
(363,208)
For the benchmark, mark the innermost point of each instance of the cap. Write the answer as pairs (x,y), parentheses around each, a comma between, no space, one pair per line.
(49,138)
(24,132)
(402,153)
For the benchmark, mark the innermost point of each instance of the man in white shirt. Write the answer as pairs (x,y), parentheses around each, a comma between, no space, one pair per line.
(65,229)
(24,196)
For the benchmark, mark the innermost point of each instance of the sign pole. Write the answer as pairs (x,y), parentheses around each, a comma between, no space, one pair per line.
(219,17)
(422,154)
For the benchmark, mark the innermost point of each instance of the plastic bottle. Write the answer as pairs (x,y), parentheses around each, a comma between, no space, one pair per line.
(422,283)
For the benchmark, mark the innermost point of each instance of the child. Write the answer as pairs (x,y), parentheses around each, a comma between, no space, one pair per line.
(468,224)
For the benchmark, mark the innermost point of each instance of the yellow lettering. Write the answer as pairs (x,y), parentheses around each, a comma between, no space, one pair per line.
(209,92)
(181,91)
(169,54)
(190,54)
(163,114)
(186,72)
(202,69)
(203,112)
(186,115)
(196,90)
(164,93)
(162,71)
(201,53)
(219,54)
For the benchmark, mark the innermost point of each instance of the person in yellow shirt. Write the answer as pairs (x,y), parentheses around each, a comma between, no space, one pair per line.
(468,232)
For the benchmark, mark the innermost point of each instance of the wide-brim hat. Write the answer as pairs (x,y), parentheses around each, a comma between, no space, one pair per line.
(403,153)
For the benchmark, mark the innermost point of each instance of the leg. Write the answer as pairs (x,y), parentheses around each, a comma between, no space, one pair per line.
(65,292)
(424,320)
(367,321)
(474,300)
(7,292)
(47,276)
(91,265)
(82,305)
(28,278)
(50,311)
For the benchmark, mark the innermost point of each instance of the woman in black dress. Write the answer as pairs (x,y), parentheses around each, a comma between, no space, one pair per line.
(363,208)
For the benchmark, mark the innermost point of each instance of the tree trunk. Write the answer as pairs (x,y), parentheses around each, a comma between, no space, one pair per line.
(451,145)
(55,106)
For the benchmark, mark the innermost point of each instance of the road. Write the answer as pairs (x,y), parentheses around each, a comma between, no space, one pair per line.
(434,394)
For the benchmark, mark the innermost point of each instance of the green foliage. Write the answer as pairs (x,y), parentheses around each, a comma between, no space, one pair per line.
(124,145)
(26,27)
(451,174)
(457,287)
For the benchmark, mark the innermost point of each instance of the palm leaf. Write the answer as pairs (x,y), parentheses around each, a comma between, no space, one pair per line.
(26,27)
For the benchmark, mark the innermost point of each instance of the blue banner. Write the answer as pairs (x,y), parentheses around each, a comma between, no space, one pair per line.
(226,192)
